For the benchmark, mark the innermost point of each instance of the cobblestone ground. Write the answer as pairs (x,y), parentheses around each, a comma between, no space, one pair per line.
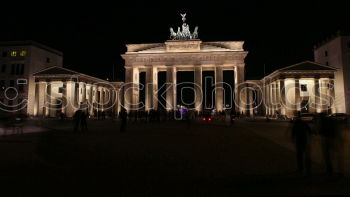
(159,159)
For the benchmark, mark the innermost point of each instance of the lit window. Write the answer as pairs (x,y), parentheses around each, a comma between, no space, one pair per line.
(23,53)
(13,53)
(303,87)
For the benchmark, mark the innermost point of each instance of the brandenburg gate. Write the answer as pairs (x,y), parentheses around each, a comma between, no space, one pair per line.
(184,52)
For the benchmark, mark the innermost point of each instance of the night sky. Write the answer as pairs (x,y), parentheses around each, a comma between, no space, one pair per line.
(92,36)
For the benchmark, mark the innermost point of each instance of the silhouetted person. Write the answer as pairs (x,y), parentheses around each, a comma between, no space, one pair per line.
(76,119)
(83,121)
(300,136)
(123,115)
(332,144)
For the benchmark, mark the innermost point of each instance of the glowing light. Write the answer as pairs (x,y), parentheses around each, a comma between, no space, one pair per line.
(13,53)
(23,53)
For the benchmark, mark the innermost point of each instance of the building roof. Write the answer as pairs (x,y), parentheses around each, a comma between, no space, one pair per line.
(57,72)
(204,47)
(303,68)
(307,65)
(30,43)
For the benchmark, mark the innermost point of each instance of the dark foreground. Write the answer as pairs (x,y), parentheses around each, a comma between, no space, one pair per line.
(159,159)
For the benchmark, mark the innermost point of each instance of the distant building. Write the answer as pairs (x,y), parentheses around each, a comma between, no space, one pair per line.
(336,52)
(19,60)
(62,91)
(307,87)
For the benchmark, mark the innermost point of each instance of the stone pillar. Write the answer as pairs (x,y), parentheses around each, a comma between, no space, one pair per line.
(239,78)
(268,99)
(128,88)
(149,103)
(39,98)
(95,99)
(118,101)
(171,88)
(155,87)
(101,99)
(219,91)
(317,95)
(64,97)
(198,87)
(251,102)
(83,99)
(332,95)
(132,88)
(88,99)
(48,101)
(275,105)
(71,100)
(271,98)
(277,97)
(282,97)
(297,95)
(265,95)
(136,89)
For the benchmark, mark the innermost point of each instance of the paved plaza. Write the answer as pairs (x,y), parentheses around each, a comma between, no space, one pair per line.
(252,157)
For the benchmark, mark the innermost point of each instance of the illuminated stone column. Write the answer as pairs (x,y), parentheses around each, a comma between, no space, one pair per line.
(151,88)
(171,88)
(128,88)
(88,95)
(136,89)
(282,97)
(155,87)
(116,104)
(268,99)
(198,87)
(251,104)
(219,91)
(271,98)
(332,95)
(289,84)
(82,85)
(131,88)
(323,95)
(39,98)
(297,95)
(71,100)
(108,99)
(48,99)
(265,89)
(239,78)
(317,95)
(64,97)
(101,99)
(94,99)
(277,96)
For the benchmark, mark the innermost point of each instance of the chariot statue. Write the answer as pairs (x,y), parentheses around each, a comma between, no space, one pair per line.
(185,33)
